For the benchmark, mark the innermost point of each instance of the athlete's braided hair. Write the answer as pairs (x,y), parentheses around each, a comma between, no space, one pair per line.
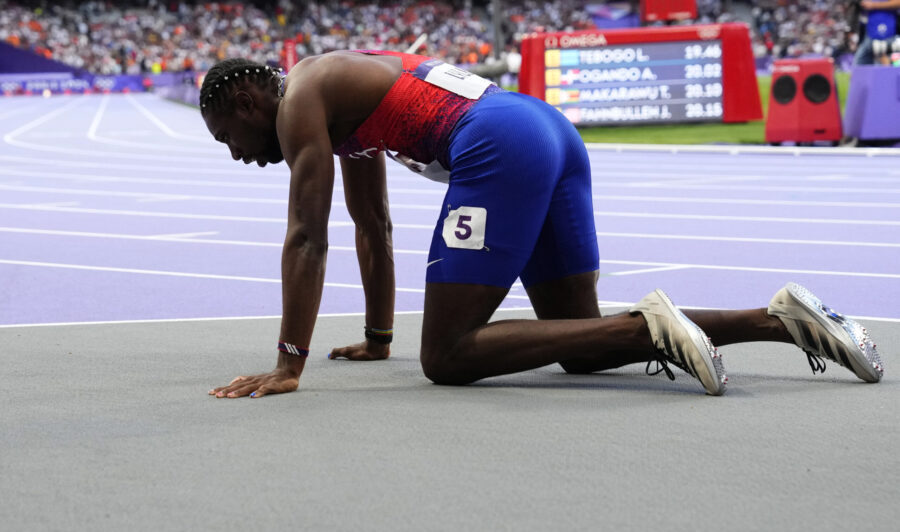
(218,84)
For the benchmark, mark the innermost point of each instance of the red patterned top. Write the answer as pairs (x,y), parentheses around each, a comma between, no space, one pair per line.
(417,115)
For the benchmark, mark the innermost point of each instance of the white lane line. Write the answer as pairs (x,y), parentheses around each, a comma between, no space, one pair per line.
(679,181)
(869,191)
(160,199)
(180,182)
(755,269)
(343,285)
(786,167)
(861,172)
(186,216)
(183,236)
(182,239)
(50,205)
(98,116)
(737,150)
(118,212)
(339,188)
(137,271)
(399,174)
(648,270)
(396,206)
(831,177)
(69,176)
(743,201)
(137,322)
(232,169)
(791,241)
(142,196)
(731,218)
(604,305)
(162,125)
(166,273)
(150,197)
(600,178)
(94,137)
(653,236)
(217,277)
(10,138)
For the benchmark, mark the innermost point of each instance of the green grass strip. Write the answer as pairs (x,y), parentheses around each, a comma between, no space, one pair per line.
(741,133)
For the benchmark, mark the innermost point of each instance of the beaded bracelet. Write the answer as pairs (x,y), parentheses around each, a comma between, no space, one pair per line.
(292,349)
(381,336)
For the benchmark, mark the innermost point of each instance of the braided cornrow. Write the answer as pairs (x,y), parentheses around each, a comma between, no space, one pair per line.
(216,91)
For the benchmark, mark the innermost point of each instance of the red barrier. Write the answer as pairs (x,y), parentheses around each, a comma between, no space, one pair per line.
(658,74)
(657,10)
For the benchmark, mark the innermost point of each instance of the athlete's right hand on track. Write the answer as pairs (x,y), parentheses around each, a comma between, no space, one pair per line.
(362,351)
(280,380)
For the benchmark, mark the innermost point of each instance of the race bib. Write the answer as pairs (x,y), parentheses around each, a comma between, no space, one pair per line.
(434,170)
(464,228)
(455,80)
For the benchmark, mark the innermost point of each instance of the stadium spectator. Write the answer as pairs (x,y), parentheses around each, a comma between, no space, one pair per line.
(152,36)
(878,26)
(133,37)
(801,27)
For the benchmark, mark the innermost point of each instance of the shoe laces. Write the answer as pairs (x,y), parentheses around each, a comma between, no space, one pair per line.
(662,365)
(816,362)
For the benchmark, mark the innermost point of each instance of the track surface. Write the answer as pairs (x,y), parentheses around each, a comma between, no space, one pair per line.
(123,209)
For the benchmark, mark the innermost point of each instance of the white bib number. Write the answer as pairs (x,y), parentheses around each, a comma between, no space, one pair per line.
(455,80)
(464,228)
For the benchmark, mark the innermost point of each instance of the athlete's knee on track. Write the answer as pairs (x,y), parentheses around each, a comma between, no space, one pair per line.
(441,367)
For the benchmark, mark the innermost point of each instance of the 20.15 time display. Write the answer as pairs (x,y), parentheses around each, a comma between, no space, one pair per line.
(676,81)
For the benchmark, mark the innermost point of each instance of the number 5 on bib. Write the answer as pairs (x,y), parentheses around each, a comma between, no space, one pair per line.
(464,228)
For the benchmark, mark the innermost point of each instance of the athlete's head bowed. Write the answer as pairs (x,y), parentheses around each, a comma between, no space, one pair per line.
(239,103)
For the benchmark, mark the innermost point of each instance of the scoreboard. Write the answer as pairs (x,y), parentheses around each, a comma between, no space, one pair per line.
(647,75)
(651,82)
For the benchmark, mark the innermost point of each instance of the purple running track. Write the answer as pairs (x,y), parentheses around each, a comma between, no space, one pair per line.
(122,207)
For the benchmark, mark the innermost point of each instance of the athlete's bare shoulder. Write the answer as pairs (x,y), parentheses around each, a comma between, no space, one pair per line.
(345,73)
(348,85)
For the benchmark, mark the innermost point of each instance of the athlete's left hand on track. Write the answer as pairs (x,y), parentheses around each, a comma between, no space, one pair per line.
(362,351)
(277,381)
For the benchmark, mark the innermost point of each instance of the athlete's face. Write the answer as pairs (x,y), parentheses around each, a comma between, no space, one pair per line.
(248,133)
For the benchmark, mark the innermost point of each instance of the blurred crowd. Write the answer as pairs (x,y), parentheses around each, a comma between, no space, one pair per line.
(794,28)
(151,36)
(155,36)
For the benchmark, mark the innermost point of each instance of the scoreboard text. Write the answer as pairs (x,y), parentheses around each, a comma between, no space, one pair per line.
(595,80)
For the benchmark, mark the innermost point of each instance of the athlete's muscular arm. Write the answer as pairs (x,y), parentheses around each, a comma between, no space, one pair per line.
(365,191)
(302,127)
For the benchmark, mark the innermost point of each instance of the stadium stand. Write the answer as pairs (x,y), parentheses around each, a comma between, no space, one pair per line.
(153,36)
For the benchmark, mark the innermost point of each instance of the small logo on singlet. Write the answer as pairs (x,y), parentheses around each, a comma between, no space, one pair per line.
(364,153)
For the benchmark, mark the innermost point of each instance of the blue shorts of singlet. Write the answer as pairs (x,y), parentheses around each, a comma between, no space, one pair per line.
(519,176)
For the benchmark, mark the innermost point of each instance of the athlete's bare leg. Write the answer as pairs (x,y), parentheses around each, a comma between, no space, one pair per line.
(459,346)
(576,297)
